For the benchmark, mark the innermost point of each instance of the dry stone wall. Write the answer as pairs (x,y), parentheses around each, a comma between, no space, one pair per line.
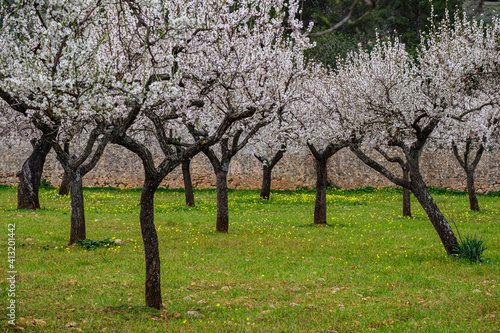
(120,168)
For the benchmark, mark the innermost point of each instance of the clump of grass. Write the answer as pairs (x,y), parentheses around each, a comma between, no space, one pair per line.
(91,244)
(470,248)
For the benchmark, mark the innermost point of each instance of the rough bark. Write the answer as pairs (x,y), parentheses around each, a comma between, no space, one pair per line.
(65,185)
(265,192)
(222,224)
(30,175)
(441,225)
(267,169)
(77,209)
(321,182)
(150,240)
(471,190)
(188,184)
(221,169)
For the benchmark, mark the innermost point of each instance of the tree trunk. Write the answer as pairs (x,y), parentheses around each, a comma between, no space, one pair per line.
(188,185)
(267,168)
(30,175)
(406,203)
(321,181)
(77,209)
(150,240)
(265,192)
(469,168)
(65,184)
(406,195)
(222,202)
(474,204)
(437,218)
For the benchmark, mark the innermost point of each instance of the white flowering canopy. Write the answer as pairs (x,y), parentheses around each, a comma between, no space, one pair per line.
(234,56)
(54,63)
(75,63)
(454,78)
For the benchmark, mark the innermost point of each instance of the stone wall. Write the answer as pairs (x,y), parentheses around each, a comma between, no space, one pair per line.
(120,168)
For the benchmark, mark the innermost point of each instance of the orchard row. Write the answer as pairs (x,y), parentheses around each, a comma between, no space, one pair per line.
(213,77)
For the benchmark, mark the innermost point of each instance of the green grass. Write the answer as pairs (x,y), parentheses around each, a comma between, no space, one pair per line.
(370,269)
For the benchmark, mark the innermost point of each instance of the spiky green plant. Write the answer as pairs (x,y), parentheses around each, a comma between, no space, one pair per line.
(470,248)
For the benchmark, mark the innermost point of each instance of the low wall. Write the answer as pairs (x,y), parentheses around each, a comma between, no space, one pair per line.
(120,168)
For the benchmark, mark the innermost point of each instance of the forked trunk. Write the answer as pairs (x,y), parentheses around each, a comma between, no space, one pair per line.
(437,218)
(65,185)
(321,182)
(469,168)
(150,240)
(188,184)
(267,169)
(77,209)
(30,175)
(222,224)
(471,190)
(417,186)
(265,192)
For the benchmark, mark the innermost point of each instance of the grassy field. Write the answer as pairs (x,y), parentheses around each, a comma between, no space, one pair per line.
(370,269)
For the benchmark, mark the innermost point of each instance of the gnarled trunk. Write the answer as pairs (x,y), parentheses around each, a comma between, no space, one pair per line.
(437,218)
(321,182)
(150,240)
(77,209)
(222,224)
(30,175)
(188,184)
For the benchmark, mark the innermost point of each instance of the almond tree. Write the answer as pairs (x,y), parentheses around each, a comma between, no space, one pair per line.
(211,68)
(262,69)
(325,121)
(409,100)
(55,69)
(471,138)
(15,128)
(268,146)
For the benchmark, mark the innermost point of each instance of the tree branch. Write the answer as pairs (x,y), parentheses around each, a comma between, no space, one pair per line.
(378,167)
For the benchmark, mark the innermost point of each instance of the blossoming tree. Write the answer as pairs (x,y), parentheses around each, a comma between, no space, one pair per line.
(262,66)
(207,63)
(325,120)
(14,129)
(55,69)
(408,100)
